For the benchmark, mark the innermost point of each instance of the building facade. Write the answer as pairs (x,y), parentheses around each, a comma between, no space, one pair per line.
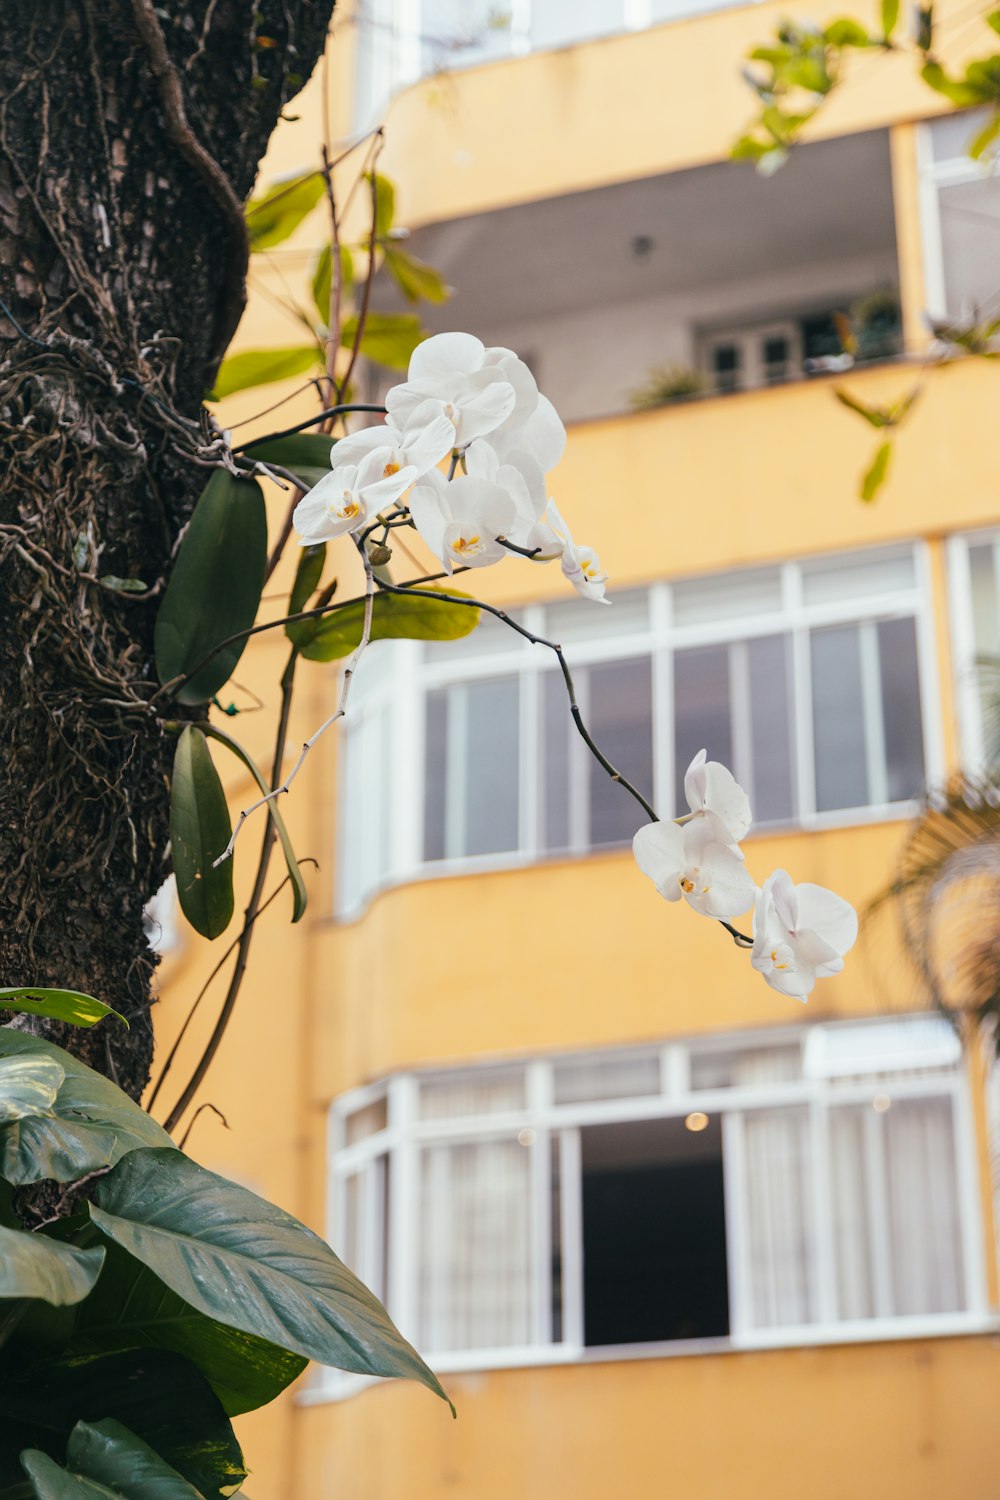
(658,1229)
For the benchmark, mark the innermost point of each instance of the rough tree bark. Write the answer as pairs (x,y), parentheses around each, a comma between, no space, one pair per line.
(128,138)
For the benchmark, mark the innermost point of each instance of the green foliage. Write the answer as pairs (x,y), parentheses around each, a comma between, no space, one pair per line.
(667,383)
(33,1266)
(877,472)
(240,1260)
(199,832)
(263,367)
(276,214)
(28,1086)
(58,1005)
(322,279)
(108,1452)
(214,588)
(416,616)
(385,203)
(305,454)
(879,416)
(387,338)
(415,278)
(299,898)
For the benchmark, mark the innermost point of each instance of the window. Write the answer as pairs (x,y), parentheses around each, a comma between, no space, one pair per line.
(816,1184)
(961,221)
(741,359)
(806,678)
(974,575)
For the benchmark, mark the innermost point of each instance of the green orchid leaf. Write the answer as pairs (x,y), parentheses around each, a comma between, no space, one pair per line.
(276,214)
(58,1005)
(306,454)
(132,1308)
(253,367)
(417,616)
(877,472)
(199,831)
(299,897)
(307,577)
(214,588)
(387,338)
(108,1453)
(415,278)
(156,1395)
(28,1086)
(248,1264)
(91,1123)
(33,1266)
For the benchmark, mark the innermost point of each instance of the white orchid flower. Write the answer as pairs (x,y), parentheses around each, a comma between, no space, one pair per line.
(420,443)
(687,861)
(801,933)
(460,520)
(451,370)
(580,565)
(714,793)
(542,435)
(346,498)
(524,482)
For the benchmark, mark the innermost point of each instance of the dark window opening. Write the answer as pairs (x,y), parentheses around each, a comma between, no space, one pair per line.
(726,367)
(654,1233)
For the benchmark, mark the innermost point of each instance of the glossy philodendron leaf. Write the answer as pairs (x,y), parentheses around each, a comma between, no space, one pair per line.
(58,1005)
(199,831)
(28,1086)
(306,454)
(387,338)
(156,1395)
(253,367)
(50,1481)
(91,1123)
(417,616)
(214,588)
(274,215)
(33,1266)
(132,1308)
(299,897)
(415,278)
(112,1455)
(246,1263)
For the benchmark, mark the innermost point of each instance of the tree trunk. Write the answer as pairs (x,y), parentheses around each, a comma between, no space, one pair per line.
(128,139)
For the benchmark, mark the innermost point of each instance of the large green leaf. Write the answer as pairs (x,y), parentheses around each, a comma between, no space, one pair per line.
(33,1266)
(107,1452)
(58,1005)
(253,367)
(418,616)
(415,278)
(387,338)
(92,1124)
(50,1481)
(199,832)
(250,1265)
(158,1396)
(322,278)
(274,215)
(214,587)
(131,1308)
(299,897)
(306,454)
(28,1086)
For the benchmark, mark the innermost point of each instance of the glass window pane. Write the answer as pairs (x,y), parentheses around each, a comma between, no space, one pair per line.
(748,1067)
(985,609)
(579,1079)
(558,23)
(852,1228)
(726,596)
(558,734)
(474,1289)
(902,725)
(458,33)
(365,1121)
(488,1091)
(491,772)
(780,1248)
(701,710)
(621,722)
(490,637)
(950,136)
(858,577)
(435,772)
(577,619)
(772,793)
(970,247)
(838,719)
(925,1238)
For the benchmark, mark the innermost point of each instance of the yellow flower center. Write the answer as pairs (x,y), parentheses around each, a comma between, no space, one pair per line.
(465,544)
(687,885)
(389,470)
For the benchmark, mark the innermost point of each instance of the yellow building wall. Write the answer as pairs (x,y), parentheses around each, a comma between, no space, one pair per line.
(720,483)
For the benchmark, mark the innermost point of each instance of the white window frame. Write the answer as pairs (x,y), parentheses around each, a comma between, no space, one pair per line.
(932,176)
(543,1120)
(968,705)
(749,340)
(401,694)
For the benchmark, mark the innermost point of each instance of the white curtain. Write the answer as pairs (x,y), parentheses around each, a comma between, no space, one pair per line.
(925,1244)
(778,1218)
(852,1226)
(475,1246)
